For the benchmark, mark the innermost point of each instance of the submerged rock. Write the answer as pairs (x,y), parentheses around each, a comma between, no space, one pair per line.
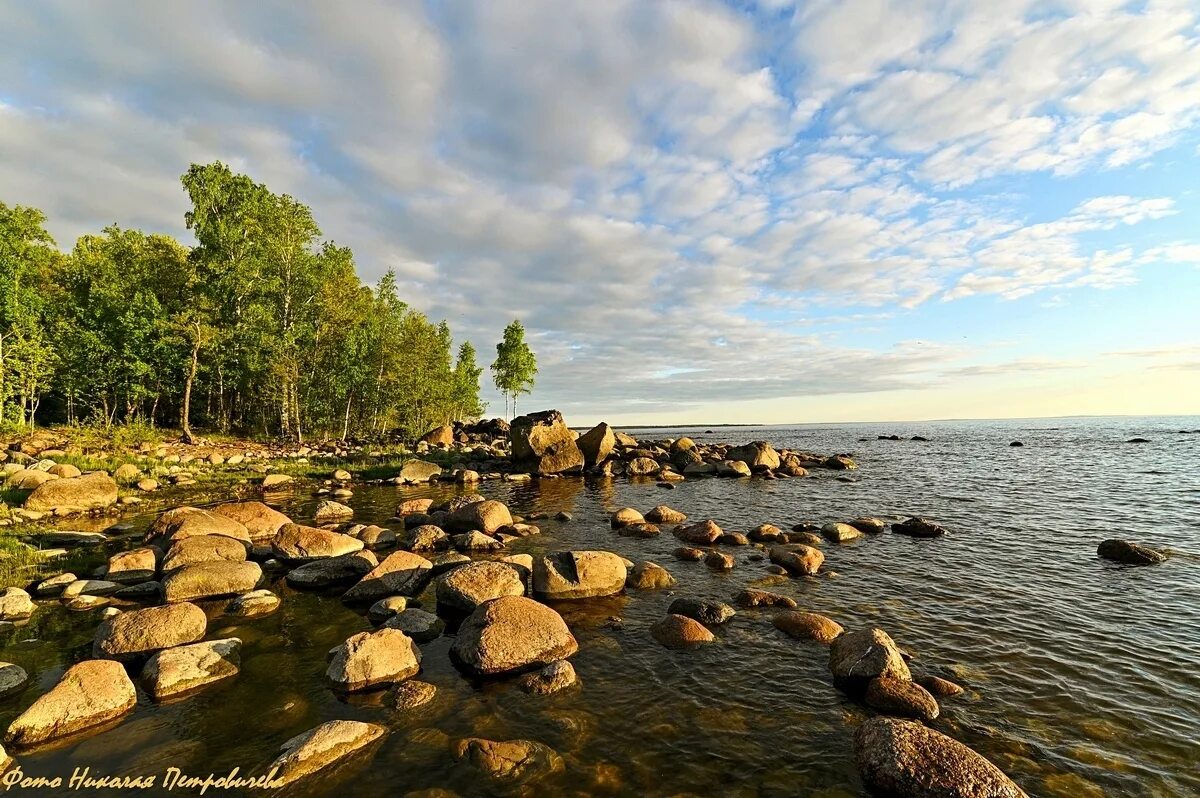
(939,687)
(512,633)
(185,668)
(327,744)
(254,604)
(751,597)
(410,695)
(1124,551)
(680,631)
(89,694)
(706,612)
(513,761)
(558,675)
(12,679)
(906,759)
(918,528)
(808,626)
(421,626)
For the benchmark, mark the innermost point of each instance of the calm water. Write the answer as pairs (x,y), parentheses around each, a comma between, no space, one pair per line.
(1083,677)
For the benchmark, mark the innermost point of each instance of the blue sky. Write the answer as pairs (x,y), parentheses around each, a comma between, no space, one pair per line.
(702,211)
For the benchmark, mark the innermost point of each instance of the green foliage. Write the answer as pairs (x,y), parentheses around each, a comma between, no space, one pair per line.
(515,366)
(262,327)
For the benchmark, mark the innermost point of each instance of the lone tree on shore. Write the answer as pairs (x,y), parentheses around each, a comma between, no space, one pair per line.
(515,365)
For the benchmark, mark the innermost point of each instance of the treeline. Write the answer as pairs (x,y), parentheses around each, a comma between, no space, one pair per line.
(261,328)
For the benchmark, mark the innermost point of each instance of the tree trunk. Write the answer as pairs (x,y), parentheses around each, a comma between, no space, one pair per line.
(185,411)
(346,418)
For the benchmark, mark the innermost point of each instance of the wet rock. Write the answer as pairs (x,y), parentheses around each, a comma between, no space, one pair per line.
(89,693)
(751,597)
(1123,551)
(90,587)
(261,521)
(662,514)
(578,575)
(597,444)
(709,613)
(416,472)
(185,668)
(702,533)
(558,675)
(626,516)
(203,548)
(643,531)
(69,538)
(839,462)
(410,695)
(756,455)
(1016,443)
(868,525)
(331,571)
(512,633)
(328,744)
(331,511)
(15,604)
(939,687)
(465,588)
(642,466)
(370,659)
(1138,440)
(254,604)
(414,507)
(688,554)
(511,761)
(77,494)
(142,591)
(719,561)
(421,626)
(733,468)
(447,561)
(906,759)
(680,631)
(137,632)
(733,539)
(426,537)
(901,697)
(376,537)
(186,522)
(400,573)
(855,658)
(649,576)
(766,533)
(476,541)
(53,586)
(918,528)
(798,559)
(808,626)
(12,679)
(300,544)
(386,608)
(485,516)
(133,566)
(543,444)
(840,533)
(210,580)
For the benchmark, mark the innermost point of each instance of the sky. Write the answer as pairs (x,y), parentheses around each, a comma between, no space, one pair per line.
(702,211)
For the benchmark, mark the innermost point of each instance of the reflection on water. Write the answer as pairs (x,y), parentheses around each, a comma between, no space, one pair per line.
(1082,678)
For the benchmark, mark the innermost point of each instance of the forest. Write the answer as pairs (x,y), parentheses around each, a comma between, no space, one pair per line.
(262,327)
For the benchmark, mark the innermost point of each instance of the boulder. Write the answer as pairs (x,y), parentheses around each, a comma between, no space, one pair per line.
(126,473)
(421,626)
(855,658)
(417,472)
(370,659)
(625,517)
(485,516)
(331,511)
(837,532)
(410,695)
(89,693)
(900,697)
(578,575)
(558,675)
(328,744)
(90,587)
(639,531)
(476,541)
(15,604)
(798,559)
(387,608)
(702,533)
(510,761)
(512,633)
(203,548)
(868,525)
(253,604)
(299,544)
(185,522)
(1123,551)
(426,537)
(906,759)
(597,444)
(276,480)
(719,561)
(414,507)
(137,632)
(751,597)
(210,580)
(542,443)
(439,436)
(649,576)
(185,668)
(261,521)
(918,528)
(465,588)
(680,631)
(13,678)
(320,574)
(757,455)
(709,613)
(642,467)
(133,566)
(65,471)
(939,687)
(662,514)
(88,492)
(400,573)
(808,626)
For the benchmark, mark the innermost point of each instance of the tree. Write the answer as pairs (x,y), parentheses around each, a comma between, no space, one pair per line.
(465,382)
(515,366)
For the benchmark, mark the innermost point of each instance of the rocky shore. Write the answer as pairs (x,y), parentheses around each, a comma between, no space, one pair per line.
(443,568)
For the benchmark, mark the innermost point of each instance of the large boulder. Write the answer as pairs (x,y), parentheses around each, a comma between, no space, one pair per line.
(544,444)
(137,632)
(185,668)
(855,658)
(701,533)
(485,516)
(439,436)
(798,559)
(906,759)
(597,444)
(261,521)
(512,633)
(203,548)
(370,659)
(295,543)
(88,492)
(400,573)
(416,472)
(185,522)
(468,586)
(90,693)
(757,455)
(210,580)
(15,604)
(328,744)
(578,575)
(330,571)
